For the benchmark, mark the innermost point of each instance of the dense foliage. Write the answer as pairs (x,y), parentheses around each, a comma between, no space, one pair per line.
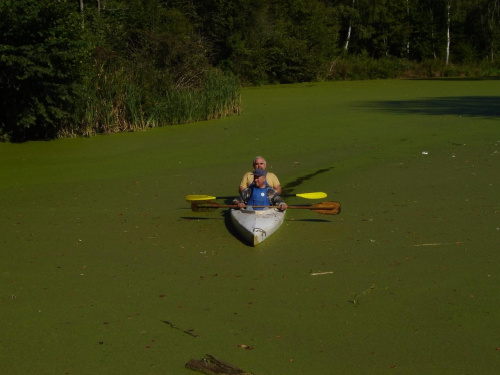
(42,51)
(80,67)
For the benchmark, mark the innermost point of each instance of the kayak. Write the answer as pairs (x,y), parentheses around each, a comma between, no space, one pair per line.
(256,226)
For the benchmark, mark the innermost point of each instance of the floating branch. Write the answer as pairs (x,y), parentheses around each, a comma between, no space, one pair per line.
(187,332)
(213,366)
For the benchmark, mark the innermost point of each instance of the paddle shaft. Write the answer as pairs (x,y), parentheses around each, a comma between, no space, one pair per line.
(313,195)
(214,205)
(281,195)
(327,208)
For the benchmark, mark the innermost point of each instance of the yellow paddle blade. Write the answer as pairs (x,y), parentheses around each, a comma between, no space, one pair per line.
(315,195)
(193,198)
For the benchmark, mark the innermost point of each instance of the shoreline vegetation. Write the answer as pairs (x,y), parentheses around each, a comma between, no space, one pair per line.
(80,68)
(114,105)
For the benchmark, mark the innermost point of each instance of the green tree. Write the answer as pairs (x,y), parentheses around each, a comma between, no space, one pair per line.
(303,41)
(489,16)
(425,24)
(41,63)
(269,40)
(480,30)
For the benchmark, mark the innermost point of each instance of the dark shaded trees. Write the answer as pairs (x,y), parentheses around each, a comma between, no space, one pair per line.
(42,55)
(265,41)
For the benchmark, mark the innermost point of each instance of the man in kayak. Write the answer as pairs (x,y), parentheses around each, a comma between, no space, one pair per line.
(259,193)
(272,180)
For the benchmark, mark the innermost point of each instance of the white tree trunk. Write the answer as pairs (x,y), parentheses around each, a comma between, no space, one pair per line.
(448,37)
(349,30)
(81,11)
(348,37)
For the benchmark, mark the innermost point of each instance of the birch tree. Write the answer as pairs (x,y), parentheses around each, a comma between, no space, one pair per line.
(448,26)
(349,30)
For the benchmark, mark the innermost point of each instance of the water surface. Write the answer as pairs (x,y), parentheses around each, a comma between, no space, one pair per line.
(99,249)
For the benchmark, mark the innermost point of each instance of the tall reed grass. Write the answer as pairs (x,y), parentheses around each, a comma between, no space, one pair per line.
(115,100)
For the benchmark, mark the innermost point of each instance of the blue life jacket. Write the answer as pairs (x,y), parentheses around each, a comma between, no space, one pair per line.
(258,198)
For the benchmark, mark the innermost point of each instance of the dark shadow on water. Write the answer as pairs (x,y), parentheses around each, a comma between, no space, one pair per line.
(225,216)
(288,188)
(311,220)
(198,218)
(231,229)
(469,106)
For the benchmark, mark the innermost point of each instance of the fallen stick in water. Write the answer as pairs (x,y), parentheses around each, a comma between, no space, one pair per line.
(321,273)
(180,329)
(213,366)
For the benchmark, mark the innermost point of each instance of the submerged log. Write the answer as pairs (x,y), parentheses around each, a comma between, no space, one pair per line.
(213,366)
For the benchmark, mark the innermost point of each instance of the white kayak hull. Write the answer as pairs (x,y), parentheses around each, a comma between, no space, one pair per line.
(257,226)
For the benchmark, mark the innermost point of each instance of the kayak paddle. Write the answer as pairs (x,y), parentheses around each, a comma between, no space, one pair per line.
(315,195)
(328,208)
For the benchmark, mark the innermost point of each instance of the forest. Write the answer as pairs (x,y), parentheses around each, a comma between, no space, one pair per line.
(84,67)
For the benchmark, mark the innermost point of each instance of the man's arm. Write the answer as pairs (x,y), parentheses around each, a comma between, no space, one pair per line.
(275,199)
(246,180)
(274,182)
(242,199)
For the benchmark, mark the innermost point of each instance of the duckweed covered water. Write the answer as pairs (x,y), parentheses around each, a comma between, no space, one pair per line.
(105,269)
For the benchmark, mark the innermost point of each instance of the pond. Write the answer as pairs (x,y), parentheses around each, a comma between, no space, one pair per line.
(105,268)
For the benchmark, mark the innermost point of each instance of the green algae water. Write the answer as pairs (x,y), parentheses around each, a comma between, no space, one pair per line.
(105,269)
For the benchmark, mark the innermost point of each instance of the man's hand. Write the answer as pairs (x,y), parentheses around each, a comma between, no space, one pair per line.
(239,204)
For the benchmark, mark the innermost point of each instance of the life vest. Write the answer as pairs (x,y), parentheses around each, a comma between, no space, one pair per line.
(258,198)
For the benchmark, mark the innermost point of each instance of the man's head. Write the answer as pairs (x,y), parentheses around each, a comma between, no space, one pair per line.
(259,177)
(259,163)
